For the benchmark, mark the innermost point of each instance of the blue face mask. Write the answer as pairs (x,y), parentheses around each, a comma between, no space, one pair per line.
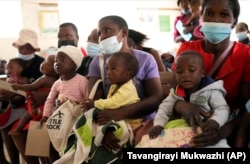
(216,32)
(241,35)
(93,49)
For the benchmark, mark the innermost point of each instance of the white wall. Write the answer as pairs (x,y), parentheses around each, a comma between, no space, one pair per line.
(85,14)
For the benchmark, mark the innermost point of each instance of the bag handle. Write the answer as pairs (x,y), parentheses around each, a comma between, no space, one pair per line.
(93,90)
(101,62)
(220,60)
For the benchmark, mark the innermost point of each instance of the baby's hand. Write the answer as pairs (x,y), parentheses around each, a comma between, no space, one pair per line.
(14,86)
(87,104)
(155,131)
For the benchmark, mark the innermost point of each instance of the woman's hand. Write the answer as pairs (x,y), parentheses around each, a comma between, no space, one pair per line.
(210,125)
(190,112)
(155,131)
(110,142)
(212,137)
(107,115)
(206,138)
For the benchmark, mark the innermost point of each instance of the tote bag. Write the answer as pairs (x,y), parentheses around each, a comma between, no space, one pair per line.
(38,136)
(61,122)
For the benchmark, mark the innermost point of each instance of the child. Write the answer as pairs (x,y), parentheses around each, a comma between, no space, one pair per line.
(70,85)
(14,71)
(195,87)
(194,6)
(44,83)
(121,68)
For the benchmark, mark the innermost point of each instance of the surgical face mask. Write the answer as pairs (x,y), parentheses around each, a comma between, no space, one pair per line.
(25,57)
(93,49)
(241,35)
(111,45)
(65,43)
(216,32)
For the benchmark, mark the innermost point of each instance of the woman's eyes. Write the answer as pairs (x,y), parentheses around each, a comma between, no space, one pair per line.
(222,14)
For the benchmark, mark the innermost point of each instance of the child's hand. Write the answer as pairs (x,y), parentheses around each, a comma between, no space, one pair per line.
(14,86)
(43,119)
(87,104)
(155,131)
(210,125)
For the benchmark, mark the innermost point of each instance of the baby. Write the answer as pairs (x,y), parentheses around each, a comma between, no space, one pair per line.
(194,6)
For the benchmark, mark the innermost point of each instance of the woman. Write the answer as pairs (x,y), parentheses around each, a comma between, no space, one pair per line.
(139,39)
(27,45)
(113,32)
(241,32)
(183,18)
(218,19)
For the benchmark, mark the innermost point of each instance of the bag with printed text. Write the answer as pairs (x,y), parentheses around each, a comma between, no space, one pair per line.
(61,122)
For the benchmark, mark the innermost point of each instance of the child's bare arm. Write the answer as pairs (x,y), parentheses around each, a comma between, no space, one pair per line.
(87,104)
(29,87)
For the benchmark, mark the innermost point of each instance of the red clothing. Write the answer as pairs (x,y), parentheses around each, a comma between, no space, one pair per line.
(236,68)
(30,110)
(183,19)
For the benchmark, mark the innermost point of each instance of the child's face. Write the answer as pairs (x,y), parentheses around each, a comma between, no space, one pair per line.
(116,72)
(189,71)
(13,69)
(64,65)
(47,66)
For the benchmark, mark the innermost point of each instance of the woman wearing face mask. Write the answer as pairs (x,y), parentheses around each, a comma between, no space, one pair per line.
(184,17)
(113,32)
(242,32)
(27,45)
(93,47)
(218,19)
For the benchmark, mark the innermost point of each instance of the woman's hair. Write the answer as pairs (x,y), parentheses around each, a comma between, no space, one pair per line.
(129,60)
(233,4)
(243,24)
(137,37)
(116,20)
(178,2)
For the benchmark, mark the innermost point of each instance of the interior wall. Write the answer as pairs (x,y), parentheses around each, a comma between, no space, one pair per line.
(85,14)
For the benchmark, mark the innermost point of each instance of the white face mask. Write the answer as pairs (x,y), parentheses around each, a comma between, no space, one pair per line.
(111,45)
(25,57)
(241,35)
(93,49)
